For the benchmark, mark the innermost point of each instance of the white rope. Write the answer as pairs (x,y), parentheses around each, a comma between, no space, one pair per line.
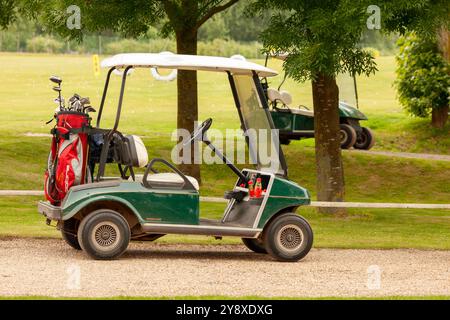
(322,204)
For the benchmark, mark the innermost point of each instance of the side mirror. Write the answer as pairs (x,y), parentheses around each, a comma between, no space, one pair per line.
(56,80)
(57,89)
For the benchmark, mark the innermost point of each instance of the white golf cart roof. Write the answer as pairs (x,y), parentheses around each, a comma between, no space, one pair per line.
(187,62)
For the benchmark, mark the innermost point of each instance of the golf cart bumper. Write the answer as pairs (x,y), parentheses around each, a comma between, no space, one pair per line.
(49,211)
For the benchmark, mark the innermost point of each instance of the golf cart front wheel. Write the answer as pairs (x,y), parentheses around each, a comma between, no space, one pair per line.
(347,136)
(69,233)
(104,234)
(256,245)
(365,139)
(288,238)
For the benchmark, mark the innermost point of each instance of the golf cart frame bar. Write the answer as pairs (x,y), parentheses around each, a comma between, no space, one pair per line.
(107,140)
(109,135)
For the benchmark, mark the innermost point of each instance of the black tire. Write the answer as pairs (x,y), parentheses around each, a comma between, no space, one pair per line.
(256,245)
(69,231)
(288,238)
(365,139)
(347,136)
(104,234)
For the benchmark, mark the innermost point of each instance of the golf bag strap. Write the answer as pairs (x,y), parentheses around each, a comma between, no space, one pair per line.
(84,129)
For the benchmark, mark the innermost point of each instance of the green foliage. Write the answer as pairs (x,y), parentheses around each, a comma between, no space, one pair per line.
(321,36)
(384,43)
(130,45)
(241,25)
(213,29)
(373,52)
(13,10)
(423,76)
(227,48)
(217,47)
(421,16)
(44,44)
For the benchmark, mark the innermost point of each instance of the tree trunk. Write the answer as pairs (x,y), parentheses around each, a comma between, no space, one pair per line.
(330,172)
(187,95)
(439,117)
(444,43)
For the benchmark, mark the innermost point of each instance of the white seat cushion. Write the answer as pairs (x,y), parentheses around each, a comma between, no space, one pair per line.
(171,179)
(303,112)
(286,97)
(273,95)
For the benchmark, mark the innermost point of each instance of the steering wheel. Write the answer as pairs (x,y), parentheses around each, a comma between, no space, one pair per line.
(200,131)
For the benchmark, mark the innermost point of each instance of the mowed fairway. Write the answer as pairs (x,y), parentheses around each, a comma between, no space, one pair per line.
(150,106)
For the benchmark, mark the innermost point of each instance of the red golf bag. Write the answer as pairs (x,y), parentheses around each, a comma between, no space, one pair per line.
(68,155)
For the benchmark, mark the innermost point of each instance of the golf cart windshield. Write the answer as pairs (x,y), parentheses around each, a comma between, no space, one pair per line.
(347,89)
(263,139)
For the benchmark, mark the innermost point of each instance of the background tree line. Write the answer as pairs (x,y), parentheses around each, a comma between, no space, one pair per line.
(230,32)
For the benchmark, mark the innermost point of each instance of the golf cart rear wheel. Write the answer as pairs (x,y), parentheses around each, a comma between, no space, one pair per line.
(104,234)
(256,245)
(69,233)
(365,139)
(347,136)
(288,238)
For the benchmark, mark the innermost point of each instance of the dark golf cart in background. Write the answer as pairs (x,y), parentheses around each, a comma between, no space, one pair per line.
(295,123)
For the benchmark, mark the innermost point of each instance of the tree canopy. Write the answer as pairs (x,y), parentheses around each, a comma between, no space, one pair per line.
(323,36)
(423,76)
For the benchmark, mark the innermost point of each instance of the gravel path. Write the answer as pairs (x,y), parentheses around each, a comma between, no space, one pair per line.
(50,268)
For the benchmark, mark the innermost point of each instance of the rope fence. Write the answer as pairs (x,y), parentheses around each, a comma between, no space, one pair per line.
(317,204)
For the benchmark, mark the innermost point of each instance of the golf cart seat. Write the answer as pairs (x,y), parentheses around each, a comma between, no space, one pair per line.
(279,96)
(273,95)
(130,151)
(168,180)
(286,99)
(303,112)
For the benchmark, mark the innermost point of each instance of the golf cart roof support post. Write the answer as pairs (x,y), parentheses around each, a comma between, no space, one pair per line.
(105,90)
(105,148)
(122,90)
(225,160)
(265,106)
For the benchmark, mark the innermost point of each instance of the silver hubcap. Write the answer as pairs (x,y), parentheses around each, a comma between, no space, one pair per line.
(290,238)
(105,236)
(343,136)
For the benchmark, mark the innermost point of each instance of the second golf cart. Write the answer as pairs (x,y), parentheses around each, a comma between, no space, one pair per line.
(101,215)
(295,123)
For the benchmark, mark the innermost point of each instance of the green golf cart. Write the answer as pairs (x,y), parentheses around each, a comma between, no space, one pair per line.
(102,216)
(295,123)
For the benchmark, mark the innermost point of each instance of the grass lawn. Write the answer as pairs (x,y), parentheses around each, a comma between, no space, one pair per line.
(150,106)
(150,111)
